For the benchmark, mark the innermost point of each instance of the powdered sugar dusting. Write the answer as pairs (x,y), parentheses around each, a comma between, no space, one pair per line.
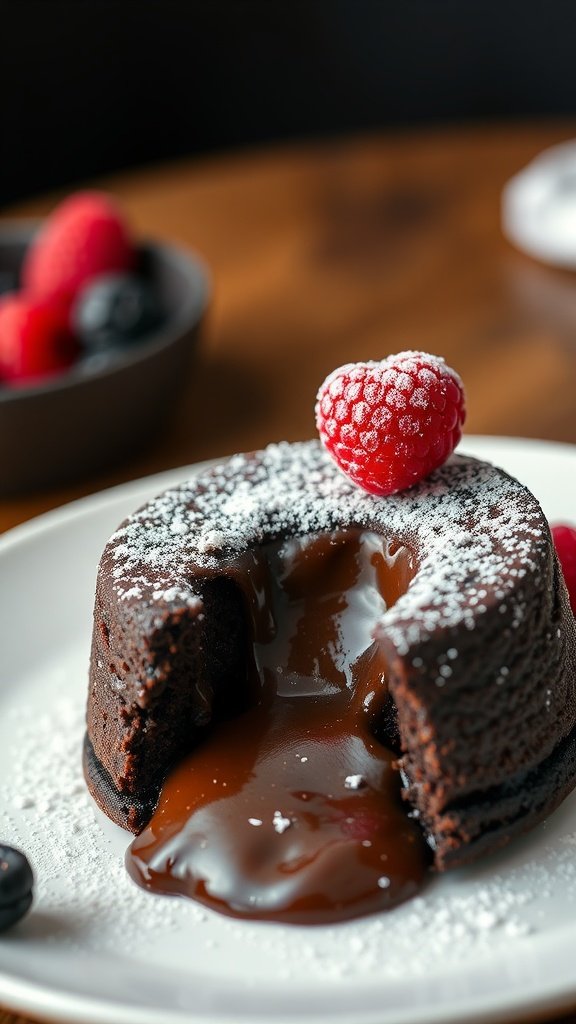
(465,515)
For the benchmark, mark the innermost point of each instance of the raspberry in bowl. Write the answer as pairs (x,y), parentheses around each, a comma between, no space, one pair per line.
(97,334)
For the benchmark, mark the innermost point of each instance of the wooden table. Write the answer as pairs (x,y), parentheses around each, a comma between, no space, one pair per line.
(332,252)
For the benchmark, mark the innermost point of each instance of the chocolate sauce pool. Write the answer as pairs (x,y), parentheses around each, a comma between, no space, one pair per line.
(292,811)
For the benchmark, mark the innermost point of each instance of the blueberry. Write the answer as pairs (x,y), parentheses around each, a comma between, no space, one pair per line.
(116,309)
(16,878)
(12,912)
(16,881)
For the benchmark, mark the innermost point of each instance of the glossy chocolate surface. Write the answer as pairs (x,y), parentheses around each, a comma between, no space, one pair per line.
(292,810)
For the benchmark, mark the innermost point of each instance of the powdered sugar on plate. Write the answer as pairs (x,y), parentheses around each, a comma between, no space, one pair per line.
(83,896)
(86,902)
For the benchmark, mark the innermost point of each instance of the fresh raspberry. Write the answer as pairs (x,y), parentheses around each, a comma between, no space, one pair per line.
(35,339)
(84,238)
(390,424)
(564,538)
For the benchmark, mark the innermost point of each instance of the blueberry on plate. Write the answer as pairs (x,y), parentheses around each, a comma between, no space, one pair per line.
(16,882)
(115,310)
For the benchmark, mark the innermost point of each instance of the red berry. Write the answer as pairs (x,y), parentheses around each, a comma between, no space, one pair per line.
(35,338)
(390,424)
(84,238)
(564,538)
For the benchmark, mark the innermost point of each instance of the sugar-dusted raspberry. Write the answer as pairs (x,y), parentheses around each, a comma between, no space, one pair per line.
(84,237)
(390,424)
(35,339)
(564,538)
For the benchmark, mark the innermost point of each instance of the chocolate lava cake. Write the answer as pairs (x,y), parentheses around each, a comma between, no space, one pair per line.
(478,699)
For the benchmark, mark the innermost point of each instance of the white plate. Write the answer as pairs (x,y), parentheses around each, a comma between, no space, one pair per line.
(486,943)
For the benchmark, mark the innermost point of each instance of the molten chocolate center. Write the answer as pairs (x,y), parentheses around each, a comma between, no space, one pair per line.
(292,810)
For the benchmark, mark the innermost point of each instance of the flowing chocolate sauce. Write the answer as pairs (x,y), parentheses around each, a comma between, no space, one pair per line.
(292,810)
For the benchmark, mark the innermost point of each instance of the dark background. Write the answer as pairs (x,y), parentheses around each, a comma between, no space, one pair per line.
(89,86)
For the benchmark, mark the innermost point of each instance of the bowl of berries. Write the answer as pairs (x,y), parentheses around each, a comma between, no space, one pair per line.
(97,336)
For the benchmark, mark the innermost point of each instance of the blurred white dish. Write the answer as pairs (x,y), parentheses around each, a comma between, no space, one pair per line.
(539,206)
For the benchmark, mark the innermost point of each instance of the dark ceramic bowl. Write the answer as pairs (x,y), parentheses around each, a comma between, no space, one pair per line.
(108,406)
